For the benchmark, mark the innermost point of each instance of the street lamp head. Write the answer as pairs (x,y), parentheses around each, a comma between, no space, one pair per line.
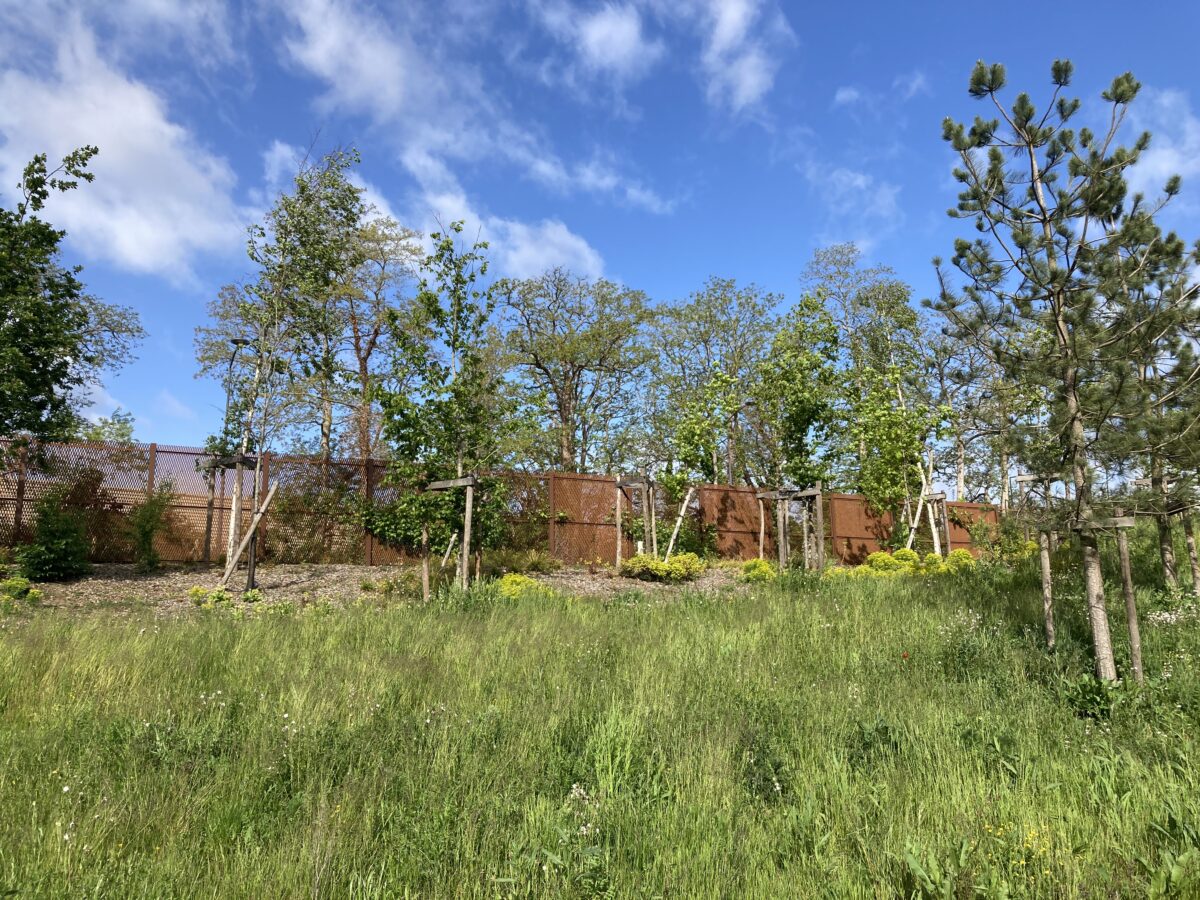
(240,342)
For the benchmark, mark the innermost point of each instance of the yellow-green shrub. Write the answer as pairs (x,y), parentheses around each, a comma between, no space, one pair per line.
(514,586)
(960,561)
(758,570)
(882,564)
(682,567)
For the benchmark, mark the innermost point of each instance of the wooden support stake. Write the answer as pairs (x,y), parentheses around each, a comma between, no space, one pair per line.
(819,509)
(620,533)
(945,511)
(781,534)
(425,562)
(449,550)
(1047,587)
(231,565)
(804,537)
(679,521)
(762,527)
(465,561)
(19,507)
(648,494)
(1131,615)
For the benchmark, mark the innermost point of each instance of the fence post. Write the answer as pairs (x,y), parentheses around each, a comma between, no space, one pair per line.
(368,493)
(151,462)
(19,506)
(553,532)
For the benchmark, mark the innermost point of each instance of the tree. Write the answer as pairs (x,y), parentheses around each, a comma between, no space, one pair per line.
(389,256)
(710,347)
(114,429)
(793,396)
(55,339)
(579,346)
(1053,263)
(453,417)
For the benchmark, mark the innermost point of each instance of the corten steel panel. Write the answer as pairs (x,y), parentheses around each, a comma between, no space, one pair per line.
(855,530)
(584,515)
(960,537)
(735,513)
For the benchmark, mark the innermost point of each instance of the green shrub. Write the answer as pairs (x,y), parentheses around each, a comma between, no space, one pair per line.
(17,592)
(882,564)
(960,561)
(756,570)
(679,568)
(59,550)
(514,586)
(882,561)
(145,522)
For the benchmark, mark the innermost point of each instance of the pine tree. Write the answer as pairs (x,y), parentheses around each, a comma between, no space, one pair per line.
(1062,252)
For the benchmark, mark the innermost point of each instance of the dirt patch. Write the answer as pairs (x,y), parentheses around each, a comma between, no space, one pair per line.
(118,586)
(606,583)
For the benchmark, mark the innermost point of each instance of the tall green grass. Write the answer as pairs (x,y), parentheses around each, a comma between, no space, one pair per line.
(811,739)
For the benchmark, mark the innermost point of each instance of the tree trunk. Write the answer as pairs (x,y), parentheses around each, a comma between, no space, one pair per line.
(1093,576)
(1135,634)
(1189,534)
(1047,587)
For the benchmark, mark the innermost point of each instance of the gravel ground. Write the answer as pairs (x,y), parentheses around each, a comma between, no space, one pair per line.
(119,586)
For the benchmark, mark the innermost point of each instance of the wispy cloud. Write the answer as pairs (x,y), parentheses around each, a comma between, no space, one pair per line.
(911,84)
(170,405)
(160,197)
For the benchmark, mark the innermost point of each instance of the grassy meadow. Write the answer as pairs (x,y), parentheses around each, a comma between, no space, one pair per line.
(804,738)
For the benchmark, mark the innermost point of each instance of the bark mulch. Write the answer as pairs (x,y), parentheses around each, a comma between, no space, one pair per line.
(117,586)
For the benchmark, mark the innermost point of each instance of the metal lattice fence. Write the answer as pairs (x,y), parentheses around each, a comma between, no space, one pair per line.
(313,517)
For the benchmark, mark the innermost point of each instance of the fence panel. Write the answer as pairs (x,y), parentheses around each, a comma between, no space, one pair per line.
(312,519)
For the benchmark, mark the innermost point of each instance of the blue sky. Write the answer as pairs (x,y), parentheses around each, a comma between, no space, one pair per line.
(656,142)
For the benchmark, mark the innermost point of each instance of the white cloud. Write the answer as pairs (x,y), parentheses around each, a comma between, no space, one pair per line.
(911,84)
(607,41)
(201,27)
(846,96)
(442,107)
(169,404)
(858,206)
(1174,147)
(611,40)
(742,52)
(159,198)
(520,249)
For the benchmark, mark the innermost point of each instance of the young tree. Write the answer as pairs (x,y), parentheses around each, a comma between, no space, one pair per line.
(793,396)
(579,346)
(453,418)
(55,339)
(1052,264)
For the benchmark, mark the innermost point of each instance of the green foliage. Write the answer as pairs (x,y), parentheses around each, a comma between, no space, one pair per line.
(694,536)
(114,429)
(501,560)
(59,549)
(16,593)
(680,567)
(903,562)
(54,337)
(758,570)
(145,521)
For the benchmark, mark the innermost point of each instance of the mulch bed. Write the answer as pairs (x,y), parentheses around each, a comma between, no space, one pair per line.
(115,585)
